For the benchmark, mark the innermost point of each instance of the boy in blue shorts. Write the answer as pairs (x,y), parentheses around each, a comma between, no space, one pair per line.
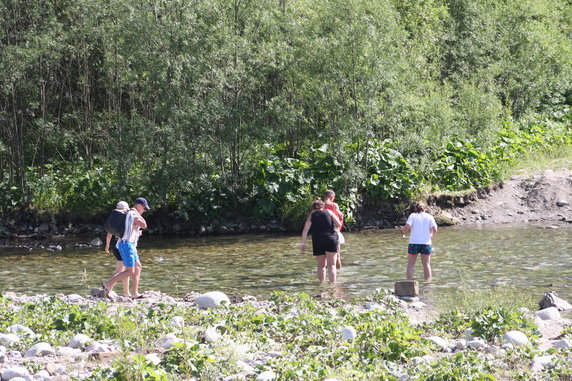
(423,228)
(127,246)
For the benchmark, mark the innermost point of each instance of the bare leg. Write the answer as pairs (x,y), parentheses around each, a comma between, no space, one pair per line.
(321,267)
(426,261)
(119,267)
(129,271)
(331,258)
(411,259)
(136,277)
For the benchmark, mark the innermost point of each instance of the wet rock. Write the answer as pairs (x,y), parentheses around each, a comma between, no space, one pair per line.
(96,242)
(212,299)
(515,338)
(406,288)
(550,313)
(39,350)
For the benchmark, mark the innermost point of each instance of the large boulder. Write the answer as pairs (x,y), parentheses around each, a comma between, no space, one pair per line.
(551,300)
(212,299)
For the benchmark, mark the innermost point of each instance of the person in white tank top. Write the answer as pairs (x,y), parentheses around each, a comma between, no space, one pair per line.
(423,227)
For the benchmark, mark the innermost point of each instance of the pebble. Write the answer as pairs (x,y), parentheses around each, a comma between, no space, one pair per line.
(266,376)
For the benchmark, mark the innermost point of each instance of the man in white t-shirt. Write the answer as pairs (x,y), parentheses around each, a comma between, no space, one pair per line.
(423,227)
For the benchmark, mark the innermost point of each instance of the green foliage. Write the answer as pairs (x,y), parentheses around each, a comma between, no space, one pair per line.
(215,109)
(463,366)
(491,323)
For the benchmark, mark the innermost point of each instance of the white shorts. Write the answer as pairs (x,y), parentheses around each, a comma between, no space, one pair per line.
(341,239)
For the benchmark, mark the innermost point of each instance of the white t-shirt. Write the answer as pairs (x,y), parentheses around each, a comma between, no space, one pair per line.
(421,224)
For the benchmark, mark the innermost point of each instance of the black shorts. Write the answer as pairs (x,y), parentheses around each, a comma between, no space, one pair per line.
(116,253)
(321,244)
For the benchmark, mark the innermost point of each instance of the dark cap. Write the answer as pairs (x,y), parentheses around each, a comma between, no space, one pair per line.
(143,202)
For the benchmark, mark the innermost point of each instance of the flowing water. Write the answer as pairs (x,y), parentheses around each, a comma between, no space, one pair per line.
(533,258)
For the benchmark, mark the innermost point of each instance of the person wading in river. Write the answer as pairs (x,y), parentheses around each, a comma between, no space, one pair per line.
(122,207)
(329,204)
(324,239)
(134,223)
(423,228)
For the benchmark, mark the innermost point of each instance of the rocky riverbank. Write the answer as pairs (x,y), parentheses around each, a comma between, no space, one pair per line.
(209,337)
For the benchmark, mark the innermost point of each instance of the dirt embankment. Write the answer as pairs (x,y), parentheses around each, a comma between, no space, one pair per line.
(542,197)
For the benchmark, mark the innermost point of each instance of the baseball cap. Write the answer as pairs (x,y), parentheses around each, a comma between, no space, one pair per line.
(122,205)
(143,202)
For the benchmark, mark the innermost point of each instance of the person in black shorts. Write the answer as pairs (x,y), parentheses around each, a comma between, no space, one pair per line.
(119,266)
(323,223)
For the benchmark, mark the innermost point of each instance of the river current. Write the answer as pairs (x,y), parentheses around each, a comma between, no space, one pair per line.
(532,258)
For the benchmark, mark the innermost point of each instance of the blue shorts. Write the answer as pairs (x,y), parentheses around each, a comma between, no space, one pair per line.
(416,248)
(128,252)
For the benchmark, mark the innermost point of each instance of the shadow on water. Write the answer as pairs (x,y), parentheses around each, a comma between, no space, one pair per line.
(527,256)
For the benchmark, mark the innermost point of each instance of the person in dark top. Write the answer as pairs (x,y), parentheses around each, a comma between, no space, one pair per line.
(323,224)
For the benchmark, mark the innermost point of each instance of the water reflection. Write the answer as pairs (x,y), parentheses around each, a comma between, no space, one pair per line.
(530,257)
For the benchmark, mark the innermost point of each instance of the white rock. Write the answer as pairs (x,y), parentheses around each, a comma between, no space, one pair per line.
(403,377)
(20,330)
(349,333)
(245,368)
(515,338)
(417,305)
(550,313)
(178,322)
(27,378)
(564,343)
(42,375)
(212,299)
(153,358)
(440,342)
(9,339)
(541,362)
(96,242)
(74,298)
(68,351)
(13,372)
(468,333)
(461,344)
(212,334)
(80,341)
(266,376)
(40,349)
(476,344)
(2,349)
(235,377)
(167,341)
(507,347)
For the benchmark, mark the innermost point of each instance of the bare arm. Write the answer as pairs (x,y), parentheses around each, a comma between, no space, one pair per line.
(307,226)
(140,221)
(107,242)
(405,229)
(433,231)
(335,218)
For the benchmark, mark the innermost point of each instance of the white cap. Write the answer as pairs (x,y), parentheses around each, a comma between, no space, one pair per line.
(122,205)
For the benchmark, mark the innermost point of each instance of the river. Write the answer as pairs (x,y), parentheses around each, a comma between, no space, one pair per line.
(533,258)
